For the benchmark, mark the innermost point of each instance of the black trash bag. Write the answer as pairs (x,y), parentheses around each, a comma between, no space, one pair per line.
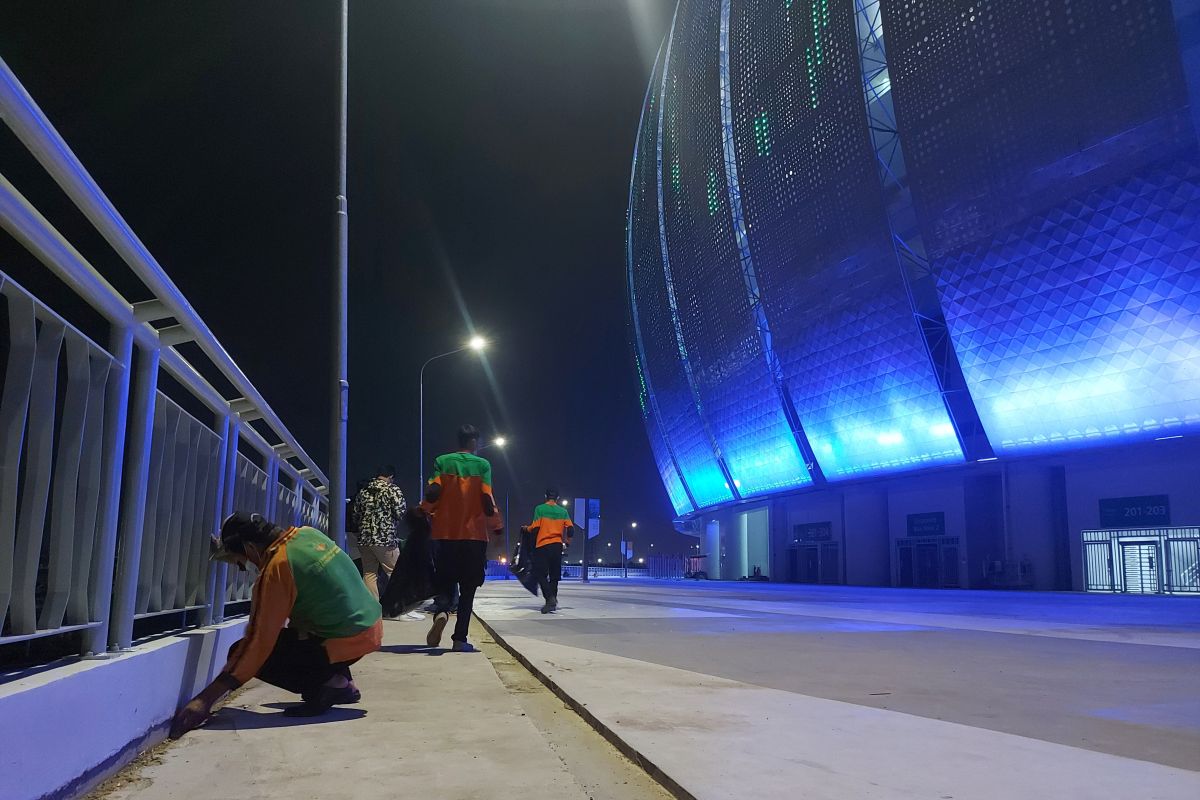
(412,581)
(522,562)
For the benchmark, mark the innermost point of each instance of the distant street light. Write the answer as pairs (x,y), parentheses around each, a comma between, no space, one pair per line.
(499,441)
(478,344)
(624,552)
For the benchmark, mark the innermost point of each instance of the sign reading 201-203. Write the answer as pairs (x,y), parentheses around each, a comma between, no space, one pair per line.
(1151,511)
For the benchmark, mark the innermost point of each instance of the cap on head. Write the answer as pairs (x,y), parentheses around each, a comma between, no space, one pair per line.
(237,529)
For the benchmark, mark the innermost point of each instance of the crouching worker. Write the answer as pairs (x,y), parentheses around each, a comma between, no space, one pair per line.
(308,583)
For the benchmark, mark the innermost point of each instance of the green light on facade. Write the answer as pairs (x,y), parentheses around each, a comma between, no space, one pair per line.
(762,134)
(714,193)
(814,55)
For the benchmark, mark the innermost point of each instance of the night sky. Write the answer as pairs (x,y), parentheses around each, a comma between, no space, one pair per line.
(490,148)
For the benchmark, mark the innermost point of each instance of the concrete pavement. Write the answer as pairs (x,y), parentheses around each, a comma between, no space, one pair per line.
(405,739)
(740,690)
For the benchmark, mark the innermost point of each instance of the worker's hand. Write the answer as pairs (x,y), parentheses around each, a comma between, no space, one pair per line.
(190,716)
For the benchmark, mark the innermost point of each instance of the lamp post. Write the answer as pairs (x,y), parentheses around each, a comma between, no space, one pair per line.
(500,441)
(624,559)
(478,344)
(339,412)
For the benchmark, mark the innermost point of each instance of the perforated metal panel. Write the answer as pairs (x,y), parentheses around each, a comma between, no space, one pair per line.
(681,426)
(1055,170)
(733,385)
(849,347)
(645,164)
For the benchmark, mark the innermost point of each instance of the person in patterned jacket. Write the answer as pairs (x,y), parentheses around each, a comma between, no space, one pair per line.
(378,508)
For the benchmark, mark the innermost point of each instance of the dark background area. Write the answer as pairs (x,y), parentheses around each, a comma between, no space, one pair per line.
(490,148)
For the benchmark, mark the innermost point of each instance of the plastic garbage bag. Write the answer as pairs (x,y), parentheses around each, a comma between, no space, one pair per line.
(412,581)
(522,562)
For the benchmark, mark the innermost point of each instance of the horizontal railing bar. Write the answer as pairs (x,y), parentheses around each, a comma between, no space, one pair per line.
(43,141)
(165,611)
(27,225)
(49,632)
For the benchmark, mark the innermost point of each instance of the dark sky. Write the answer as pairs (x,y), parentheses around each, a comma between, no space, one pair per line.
(490,147)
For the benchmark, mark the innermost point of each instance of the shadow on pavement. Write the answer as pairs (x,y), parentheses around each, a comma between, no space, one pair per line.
(413,649)
(243,719)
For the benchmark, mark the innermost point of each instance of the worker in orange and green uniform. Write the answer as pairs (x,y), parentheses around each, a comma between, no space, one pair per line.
(551,528)
(462,512)
(306,582)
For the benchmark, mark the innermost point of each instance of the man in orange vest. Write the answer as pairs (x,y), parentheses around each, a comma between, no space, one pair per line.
(462,512)
(551,528)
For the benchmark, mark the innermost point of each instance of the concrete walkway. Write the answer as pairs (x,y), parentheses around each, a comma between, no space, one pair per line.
(736,690)
(406,739)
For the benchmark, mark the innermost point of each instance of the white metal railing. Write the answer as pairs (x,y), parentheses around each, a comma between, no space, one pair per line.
(109,488)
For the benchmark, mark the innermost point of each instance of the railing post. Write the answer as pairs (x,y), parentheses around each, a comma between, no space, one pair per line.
(216,574)
(133,509)
(229,487)
(115,418)
(271,511)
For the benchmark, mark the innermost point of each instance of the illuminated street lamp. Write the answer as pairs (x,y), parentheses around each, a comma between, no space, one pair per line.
(478,344)
(624,561)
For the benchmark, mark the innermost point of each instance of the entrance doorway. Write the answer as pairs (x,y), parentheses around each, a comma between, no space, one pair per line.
(928,562)
(817,563)
(1139,563)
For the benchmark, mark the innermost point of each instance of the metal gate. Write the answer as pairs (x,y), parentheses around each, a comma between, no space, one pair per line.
(1142,560)
(1183,564)
(1139,563)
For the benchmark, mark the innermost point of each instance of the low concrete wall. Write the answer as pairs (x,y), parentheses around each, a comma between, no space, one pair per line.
(64,730)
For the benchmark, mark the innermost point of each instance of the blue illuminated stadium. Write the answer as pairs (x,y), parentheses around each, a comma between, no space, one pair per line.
(874,236)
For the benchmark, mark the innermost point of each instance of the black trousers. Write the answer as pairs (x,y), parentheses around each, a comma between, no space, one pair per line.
(547,569)
(458,564)
(299,665)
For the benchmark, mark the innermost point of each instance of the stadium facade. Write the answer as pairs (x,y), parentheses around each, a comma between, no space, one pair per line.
(915,289)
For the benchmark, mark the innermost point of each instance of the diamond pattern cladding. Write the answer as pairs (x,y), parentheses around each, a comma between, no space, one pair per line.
(1056,175)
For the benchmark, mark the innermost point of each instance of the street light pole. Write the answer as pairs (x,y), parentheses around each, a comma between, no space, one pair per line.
(340,411)
(477,344)
(624,558)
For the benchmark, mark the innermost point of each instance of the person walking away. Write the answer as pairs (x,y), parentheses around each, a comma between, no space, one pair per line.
(378,510)
(551,528)
(462,511)
(306,582)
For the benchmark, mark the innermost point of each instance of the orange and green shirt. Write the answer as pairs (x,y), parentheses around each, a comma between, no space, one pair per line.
(461,511)
(550,523)
(308,580)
